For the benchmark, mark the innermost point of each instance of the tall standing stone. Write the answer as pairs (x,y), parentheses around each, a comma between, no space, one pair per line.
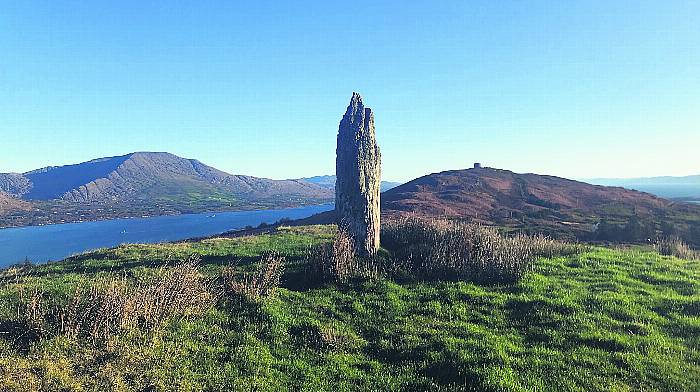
(357,170)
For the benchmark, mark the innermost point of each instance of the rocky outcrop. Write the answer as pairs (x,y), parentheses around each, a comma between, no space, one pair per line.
(357,183)
(14,184)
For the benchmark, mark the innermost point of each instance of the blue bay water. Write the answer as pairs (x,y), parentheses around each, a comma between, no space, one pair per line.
(668,190)
(56,242)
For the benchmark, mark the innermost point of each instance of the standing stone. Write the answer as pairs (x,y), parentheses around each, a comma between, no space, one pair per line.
(357,170)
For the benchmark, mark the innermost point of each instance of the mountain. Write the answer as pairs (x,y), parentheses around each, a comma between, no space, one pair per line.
(328,182)
(687,187)
(149,183)
(545,204)
(148,175)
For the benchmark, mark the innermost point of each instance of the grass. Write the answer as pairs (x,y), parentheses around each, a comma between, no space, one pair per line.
(601,320)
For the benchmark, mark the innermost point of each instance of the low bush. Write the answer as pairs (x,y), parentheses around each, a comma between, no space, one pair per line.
(442,249)
(674,246)
(103,308)
(262,283)
(333,261)
(337,261)
(548,247)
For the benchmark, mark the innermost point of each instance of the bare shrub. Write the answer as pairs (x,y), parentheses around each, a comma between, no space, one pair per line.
(441,249)
(95,309)
(337,261)
(262,283)
(101,309)
(674,246)
(178,291)
(33,310)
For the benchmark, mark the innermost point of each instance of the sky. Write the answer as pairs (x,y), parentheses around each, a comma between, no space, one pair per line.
(576,89)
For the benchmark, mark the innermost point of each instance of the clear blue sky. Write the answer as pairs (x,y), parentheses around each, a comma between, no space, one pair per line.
(577,89)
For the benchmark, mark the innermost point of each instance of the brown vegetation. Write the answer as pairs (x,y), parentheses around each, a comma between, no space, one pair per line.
(442,249)
(259,284)
(674,246)
(427,249)
(337,261)
(101,309)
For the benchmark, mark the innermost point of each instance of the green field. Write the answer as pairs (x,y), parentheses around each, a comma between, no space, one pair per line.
(604,320)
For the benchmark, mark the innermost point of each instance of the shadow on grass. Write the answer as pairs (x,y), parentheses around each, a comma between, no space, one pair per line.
(19,335)
(115,265)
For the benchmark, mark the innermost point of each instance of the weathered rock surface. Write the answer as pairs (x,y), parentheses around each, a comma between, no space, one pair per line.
(357,185)
(15,184)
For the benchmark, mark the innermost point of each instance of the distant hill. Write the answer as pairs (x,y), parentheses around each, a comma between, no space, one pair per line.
(687,187)
(9,203)
(328,182)
(151,175)
(150,183)
(546,204)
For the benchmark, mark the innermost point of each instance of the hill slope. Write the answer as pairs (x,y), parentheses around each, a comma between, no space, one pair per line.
(147,175)
(604,320)
(148,183)
(9,204)
(553,205)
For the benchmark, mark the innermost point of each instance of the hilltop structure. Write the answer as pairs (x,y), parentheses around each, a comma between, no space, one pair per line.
(358,175)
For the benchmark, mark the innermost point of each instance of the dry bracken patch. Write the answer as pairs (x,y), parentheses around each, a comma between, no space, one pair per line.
(261,283)
(103,308)
(442,249)
(674,246)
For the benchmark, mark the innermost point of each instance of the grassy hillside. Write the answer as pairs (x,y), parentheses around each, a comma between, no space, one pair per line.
(605,320)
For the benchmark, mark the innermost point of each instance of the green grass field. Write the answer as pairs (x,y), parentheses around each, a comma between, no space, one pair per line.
(604,320)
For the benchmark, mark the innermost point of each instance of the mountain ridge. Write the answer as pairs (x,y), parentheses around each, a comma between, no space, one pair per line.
(121,177)
(149,184)
(144,184)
